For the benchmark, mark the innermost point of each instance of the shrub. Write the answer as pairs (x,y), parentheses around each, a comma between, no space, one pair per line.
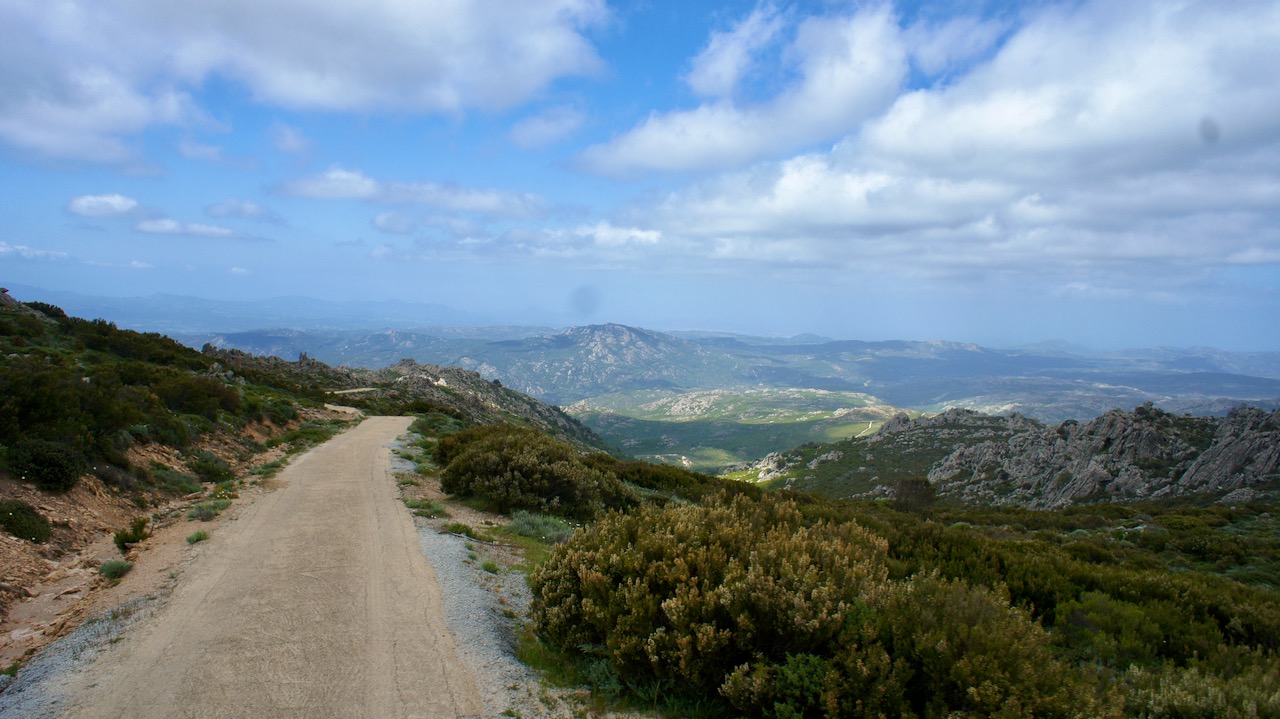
(115,568)
(136,532)
(53,466)
(687,594)
(209,468)
(198,536)
(208,509)
(23,521)
(490,566)
(113,476)
(540,526)
(515,468)
(782,617)
(424,508)
(176,482)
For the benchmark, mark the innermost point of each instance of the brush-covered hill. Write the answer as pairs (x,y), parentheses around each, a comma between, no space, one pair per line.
(981,459)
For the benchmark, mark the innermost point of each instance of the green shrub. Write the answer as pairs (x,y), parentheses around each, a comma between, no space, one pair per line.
(198,536)
(688,594)
(176,482)
(209,468)
(23,521)
(53,466)
(425,508)
(782,617)
(115,568)
(540,526)
(490,566)
(113,476)
(207,509)
(1169,692)
(136,532)
(514,468)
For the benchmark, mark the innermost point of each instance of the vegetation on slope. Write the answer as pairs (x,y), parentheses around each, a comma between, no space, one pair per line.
(76,394)
(711,430)
(793,605)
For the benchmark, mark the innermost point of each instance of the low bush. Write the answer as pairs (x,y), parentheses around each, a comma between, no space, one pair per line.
(778,616)
(52,466)
(176,482)
(115,568)
(23,521)
(136,532)
(207,509)
(428,509)
(541,526)
(196,537)
(515,468)
(209,468)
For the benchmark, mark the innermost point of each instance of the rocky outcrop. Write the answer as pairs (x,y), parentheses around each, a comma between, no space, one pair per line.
(1120,456)
(1013,460)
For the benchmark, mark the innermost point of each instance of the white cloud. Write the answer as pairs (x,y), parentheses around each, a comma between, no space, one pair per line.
(340,184)
(168,226)
(607,235)
(238,271)
(112,205)
(80,77)
(729,55)
(1074,146)
(546,128)
(335,184)
(938,48)
(849,68)
(29,253)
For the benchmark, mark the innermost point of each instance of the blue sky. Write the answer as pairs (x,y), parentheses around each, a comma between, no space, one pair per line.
(1106,173)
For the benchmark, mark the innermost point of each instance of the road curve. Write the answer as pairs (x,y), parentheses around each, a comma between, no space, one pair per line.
(317,602)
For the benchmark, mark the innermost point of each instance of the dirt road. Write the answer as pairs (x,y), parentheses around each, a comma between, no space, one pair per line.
(317,602)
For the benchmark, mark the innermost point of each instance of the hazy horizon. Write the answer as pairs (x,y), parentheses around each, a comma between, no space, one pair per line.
(999,172)
(123,310)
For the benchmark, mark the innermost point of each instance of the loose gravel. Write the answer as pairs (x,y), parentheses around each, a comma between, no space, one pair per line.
(37,691)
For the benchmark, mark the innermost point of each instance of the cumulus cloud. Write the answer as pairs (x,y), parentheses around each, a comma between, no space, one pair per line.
(847,68)
(729,55)
(101,206)
(342,184)
(1071,143)
(80,77)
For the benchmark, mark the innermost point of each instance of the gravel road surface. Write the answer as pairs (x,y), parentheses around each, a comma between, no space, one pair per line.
(320,603)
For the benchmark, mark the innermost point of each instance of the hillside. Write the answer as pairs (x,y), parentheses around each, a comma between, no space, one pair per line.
(709,430)
(979,459)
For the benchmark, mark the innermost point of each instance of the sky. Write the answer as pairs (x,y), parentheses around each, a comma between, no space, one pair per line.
(1099,172)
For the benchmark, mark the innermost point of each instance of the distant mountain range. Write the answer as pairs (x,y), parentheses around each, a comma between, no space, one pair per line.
(583,362)
(746,386)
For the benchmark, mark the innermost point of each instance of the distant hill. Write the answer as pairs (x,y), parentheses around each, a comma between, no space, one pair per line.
(607,375)
(584,362)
